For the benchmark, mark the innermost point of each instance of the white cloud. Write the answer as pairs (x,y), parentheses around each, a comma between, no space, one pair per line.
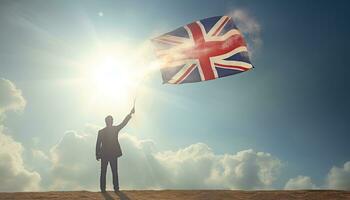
(142,167)
(249,26)
(299,182)
(339,177)
(73,163)
(38,154)
(13,174)
(198,167)
(11,97)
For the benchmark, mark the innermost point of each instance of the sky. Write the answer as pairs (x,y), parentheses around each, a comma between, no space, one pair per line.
(282,125)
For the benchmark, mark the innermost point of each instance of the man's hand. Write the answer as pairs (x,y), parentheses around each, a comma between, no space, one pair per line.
(98,157)
(132,110)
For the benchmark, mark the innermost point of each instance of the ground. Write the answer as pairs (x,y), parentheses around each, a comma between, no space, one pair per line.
(185,194)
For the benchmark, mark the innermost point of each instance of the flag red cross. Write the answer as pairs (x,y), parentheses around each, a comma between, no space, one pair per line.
(203,50)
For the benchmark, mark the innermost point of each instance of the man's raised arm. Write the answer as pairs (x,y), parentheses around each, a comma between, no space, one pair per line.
(127,118)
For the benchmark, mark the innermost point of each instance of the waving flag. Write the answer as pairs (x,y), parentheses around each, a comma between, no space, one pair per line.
(202,50)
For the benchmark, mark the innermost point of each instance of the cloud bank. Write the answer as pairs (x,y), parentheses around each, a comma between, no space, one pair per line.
(14,175)
(73,164)
(339,177)
(299,183)
(142,167)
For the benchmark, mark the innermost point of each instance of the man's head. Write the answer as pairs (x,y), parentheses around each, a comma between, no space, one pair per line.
(109,121)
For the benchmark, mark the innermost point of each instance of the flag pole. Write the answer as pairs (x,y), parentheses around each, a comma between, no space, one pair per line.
(145,74)
(134,102)
(137,89)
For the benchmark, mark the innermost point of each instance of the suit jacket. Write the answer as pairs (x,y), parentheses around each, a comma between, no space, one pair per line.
(107,145)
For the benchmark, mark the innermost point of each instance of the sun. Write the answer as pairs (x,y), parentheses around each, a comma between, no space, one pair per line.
(110,82)
(112,78)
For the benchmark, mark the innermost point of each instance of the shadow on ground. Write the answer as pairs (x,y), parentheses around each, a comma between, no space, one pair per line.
(119,195)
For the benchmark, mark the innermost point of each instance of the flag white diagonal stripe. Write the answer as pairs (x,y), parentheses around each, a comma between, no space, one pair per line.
(218,25)
(179,75)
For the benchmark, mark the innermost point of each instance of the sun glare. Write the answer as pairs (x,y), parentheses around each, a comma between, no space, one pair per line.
(111,77)
(111,82)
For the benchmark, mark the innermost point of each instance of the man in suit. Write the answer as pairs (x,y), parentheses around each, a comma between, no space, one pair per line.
(108,149)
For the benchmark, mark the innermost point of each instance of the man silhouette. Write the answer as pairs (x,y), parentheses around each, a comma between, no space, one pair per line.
(108,149)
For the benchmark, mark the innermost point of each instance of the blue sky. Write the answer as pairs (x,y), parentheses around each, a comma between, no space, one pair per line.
(293,105)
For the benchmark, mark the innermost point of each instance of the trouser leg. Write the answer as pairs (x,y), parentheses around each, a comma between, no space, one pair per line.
(104,163)
(114,167)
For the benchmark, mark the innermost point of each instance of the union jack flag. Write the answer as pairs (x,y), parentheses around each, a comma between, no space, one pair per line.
(202,50)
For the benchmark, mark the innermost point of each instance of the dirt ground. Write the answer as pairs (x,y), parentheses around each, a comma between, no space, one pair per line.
(184,194)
